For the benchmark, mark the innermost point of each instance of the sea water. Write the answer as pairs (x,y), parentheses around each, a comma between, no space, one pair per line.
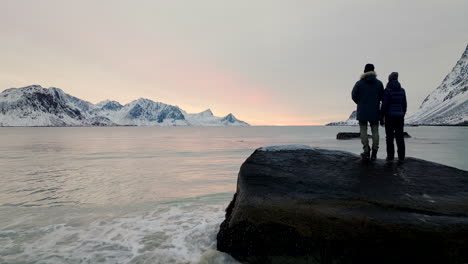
(147,194)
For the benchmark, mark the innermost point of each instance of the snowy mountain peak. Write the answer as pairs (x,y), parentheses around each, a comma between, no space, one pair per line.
(350,122)
(102,103)
(144,100)
(230,120)
(230,117)
(109,105)
(37,106)
(141,101)
(35,88)
(206,113)
(448,103)
(26,89)
(458,75)
(30,87)
(353,116)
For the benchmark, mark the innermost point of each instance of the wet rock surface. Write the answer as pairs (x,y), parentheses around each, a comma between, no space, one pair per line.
(322,206)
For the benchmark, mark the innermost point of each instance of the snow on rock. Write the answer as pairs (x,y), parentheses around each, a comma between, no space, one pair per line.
(206,118)
(350,122)
(448,103)
(231,120)
(206,113)
(99,121)
(109,105)
(145,112)
(37,106)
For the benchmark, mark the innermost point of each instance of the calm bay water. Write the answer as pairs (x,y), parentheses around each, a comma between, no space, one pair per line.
(147,194)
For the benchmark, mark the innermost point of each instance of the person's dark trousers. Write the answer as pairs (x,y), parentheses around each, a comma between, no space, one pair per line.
(394,130)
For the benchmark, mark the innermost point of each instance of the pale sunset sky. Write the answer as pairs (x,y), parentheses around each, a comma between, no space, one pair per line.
(269,62)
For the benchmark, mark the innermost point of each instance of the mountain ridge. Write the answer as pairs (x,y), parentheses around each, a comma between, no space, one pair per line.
(37,106)
(448,103)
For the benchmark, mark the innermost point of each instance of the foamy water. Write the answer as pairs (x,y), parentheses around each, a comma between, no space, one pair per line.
(146,195)
(173,232)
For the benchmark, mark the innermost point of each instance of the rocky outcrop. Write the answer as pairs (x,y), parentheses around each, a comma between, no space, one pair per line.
(306,205)
(353,135)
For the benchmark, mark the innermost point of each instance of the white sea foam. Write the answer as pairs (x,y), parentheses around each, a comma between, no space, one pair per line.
(180,233)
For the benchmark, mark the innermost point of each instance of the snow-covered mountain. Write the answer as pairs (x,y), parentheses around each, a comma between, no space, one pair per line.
(448,103)
(206,118)
(350,122)
(37,106)
(143,112)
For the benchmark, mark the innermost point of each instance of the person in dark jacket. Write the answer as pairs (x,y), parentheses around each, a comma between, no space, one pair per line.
(394,109)
(367,94)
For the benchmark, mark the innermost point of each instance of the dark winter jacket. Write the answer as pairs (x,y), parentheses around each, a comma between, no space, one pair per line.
(394,100)
(367,94)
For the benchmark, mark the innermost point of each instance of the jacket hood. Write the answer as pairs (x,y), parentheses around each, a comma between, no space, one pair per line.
(369,74)
(394,85)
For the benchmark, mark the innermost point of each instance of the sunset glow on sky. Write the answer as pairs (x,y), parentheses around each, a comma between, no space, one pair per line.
(267,62)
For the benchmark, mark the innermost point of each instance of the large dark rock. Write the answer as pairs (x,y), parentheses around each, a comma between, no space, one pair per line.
(324,206)
(352,135)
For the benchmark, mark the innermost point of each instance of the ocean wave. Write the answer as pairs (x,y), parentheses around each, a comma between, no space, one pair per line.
(173,232)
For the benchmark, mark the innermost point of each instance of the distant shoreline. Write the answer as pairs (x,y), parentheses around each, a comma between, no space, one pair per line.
(465,124)
(457,125)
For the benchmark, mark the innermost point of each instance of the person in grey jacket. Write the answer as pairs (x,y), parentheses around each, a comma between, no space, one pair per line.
(367,94)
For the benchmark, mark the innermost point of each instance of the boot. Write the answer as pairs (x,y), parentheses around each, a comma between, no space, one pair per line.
(401,155)
(366,153)
(374,154)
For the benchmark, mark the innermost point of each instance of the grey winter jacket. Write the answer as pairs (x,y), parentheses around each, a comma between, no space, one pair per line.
(367,94)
